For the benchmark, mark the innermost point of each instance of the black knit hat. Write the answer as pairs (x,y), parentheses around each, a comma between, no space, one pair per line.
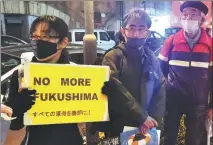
(195,4)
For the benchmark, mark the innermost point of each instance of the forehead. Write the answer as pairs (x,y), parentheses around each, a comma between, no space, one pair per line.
(43,27)
(136,22)
(191,10)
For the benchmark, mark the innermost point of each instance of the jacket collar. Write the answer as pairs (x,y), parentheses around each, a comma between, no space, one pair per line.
(204,38)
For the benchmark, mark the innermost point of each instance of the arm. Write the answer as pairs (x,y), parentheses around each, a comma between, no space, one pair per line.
(164,55)
(210,77)
(20,101)
(120,100)
(16,124)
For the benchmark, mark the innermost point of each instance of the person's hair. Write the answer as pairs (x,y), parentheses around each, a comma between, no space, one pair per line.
(137,13)
(54,24)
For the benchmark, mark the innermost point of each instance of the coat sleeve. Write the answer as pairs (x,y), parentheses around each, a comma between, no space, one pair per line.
(123,102)
(164,55)
(17,123)
(158,102)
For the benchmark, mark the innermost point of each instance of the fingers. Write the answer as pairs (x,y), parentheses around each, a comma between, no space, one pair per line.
(144,129)
(148,124)
(33,103)
(103,90)
(27,91)
(31,92)
(7,110)
(33,98)
(155,122)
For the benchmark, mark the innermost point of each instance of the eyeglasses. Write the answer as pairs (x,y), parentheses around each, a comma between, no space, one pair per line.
(133,30)
(140,32)
(191,16)
(43,37)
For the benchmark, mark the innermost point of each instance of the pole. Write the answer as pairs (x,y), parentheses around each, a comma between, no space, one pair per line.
(89,40)
(90,48)
(121,13)
(3,23)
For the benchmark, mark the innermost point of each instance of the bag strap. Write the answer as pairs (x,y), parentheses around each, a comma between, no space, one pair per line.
(120,46)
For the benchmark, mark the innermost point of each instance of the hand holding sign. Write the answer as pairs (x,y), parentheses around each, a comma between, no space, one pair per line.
(148,124)
(23,101)
(109,87)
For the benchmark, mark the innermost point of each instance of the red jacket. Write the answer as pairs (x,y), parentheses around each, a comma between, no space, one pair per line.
(188,70)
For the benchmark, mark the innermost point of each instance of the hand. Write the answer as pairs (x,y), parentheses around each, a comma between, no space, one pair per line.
(7,110)
(209,114)
(148,124)
(23,101)
(108,88)
(144,129)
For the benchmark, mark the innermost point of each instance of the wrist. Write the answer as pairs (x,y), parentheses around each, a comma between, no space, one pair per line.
(144,118)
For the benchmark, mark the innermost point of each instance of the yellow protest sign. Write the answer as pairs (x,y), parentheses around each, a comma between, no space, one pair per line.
(66,93)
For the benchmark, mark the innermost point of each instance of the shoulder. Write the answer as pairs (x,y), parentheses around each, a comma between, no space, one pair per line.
(116,51)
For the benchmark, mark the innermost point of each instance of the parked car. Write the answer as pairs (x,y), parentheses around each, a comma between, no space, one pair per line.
(7,40)
(9,63)
(171,31)
(155,41)
(103,39)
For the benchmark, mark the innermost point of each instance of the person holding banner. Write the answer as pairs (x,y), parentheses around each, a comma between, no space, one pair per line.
(136,93)
(49,38)
(186,60)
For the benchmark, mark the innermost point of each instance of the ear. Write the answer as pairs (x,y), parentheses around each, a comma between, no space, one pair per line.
(123,33)
(202,20)
(64,42)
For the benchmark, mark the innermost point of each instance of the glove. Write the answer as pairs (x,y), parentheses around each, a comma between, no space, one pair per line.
(109,88)
(23,101)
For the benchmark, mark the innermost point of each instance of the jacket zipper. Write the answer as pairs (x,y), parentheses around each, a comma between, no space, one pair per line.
(190,60)
(190,55)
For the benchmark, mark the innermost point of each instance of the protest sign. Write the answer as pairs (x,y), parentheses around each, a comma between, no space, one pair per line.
(66,93)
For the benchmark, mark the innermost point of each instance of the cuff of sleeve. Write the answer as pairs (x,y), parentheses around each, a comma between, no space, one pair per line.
(144,117)
(17,123)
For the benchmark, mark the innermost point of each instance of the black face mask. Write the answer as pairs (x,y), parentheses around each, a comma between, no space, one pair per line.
(43,49)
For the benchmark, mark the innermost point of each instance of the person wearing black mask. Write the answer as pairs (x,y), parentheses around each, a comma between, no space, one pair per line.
(135,91)
(48,36)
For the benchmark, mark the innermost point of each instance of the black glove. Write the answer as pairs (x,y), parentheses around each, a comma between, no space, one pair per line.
(23,101)
(109,88)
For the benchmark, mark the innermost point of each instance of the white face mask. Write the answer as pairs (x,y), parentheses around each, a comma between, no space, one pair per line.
(190,26)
